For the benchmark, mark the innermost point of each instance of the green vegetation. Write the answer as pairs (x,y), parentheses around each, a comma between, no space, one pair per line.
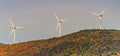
(83,43)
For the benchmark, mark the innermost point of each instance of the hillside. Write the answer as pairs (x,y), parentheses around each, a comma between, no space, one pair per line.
(82,43)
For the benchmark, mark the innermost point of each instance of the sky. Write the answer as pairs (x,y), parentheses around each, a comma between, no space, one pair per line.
(37,17)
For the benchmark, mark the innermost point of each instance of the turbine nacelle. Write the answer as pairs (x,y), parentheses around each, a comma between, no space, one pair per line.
(97,14)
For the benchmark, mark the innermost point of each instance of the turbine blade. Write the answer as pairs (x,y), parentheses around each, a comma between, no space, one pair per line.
(65,20)
(19,27)
(11,22)
(57,17)
(11,33)
(94,13)
(62,20)
(103,11)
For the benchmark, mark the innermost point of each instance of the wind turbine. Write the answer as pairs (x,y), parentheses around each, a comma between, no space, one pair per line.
(59,24)
(14,27)
(100,15)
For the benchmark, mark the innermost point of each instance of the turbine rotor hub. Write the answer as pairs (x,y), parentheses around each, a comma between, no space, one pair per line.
(101,15)
(14,28)
(60,21)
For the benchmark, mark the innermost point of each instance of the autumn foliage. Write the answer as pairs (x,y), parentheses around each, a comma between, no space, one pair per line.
(92,42)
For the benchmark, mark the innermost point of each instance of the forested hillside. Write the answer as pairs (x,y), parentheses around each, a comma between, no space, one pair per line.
(82,43)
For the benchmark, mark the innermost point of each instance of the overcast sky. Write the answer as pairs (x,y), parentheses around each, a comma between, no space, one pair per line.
(37,16)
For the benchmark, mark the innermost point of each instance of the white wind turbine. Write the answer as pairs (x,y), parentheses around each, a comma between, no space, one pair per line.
(14,27)
(100,15)
(59,24)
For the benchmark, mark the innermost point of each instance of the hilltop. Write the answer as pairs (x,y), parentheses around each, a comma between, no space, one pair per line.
(92,42)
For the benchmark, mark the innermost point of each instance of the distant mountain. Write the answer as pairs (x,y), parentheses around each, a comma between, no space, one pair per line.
(92,42)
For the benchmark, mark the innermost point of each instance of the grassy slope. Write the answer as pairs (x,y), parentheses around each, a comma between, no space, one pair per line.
(86,42)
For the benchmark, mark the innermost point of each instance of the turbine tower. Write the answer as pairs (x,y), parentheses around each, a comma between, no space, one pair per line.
(14,27)
(59,24)
(100,15)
